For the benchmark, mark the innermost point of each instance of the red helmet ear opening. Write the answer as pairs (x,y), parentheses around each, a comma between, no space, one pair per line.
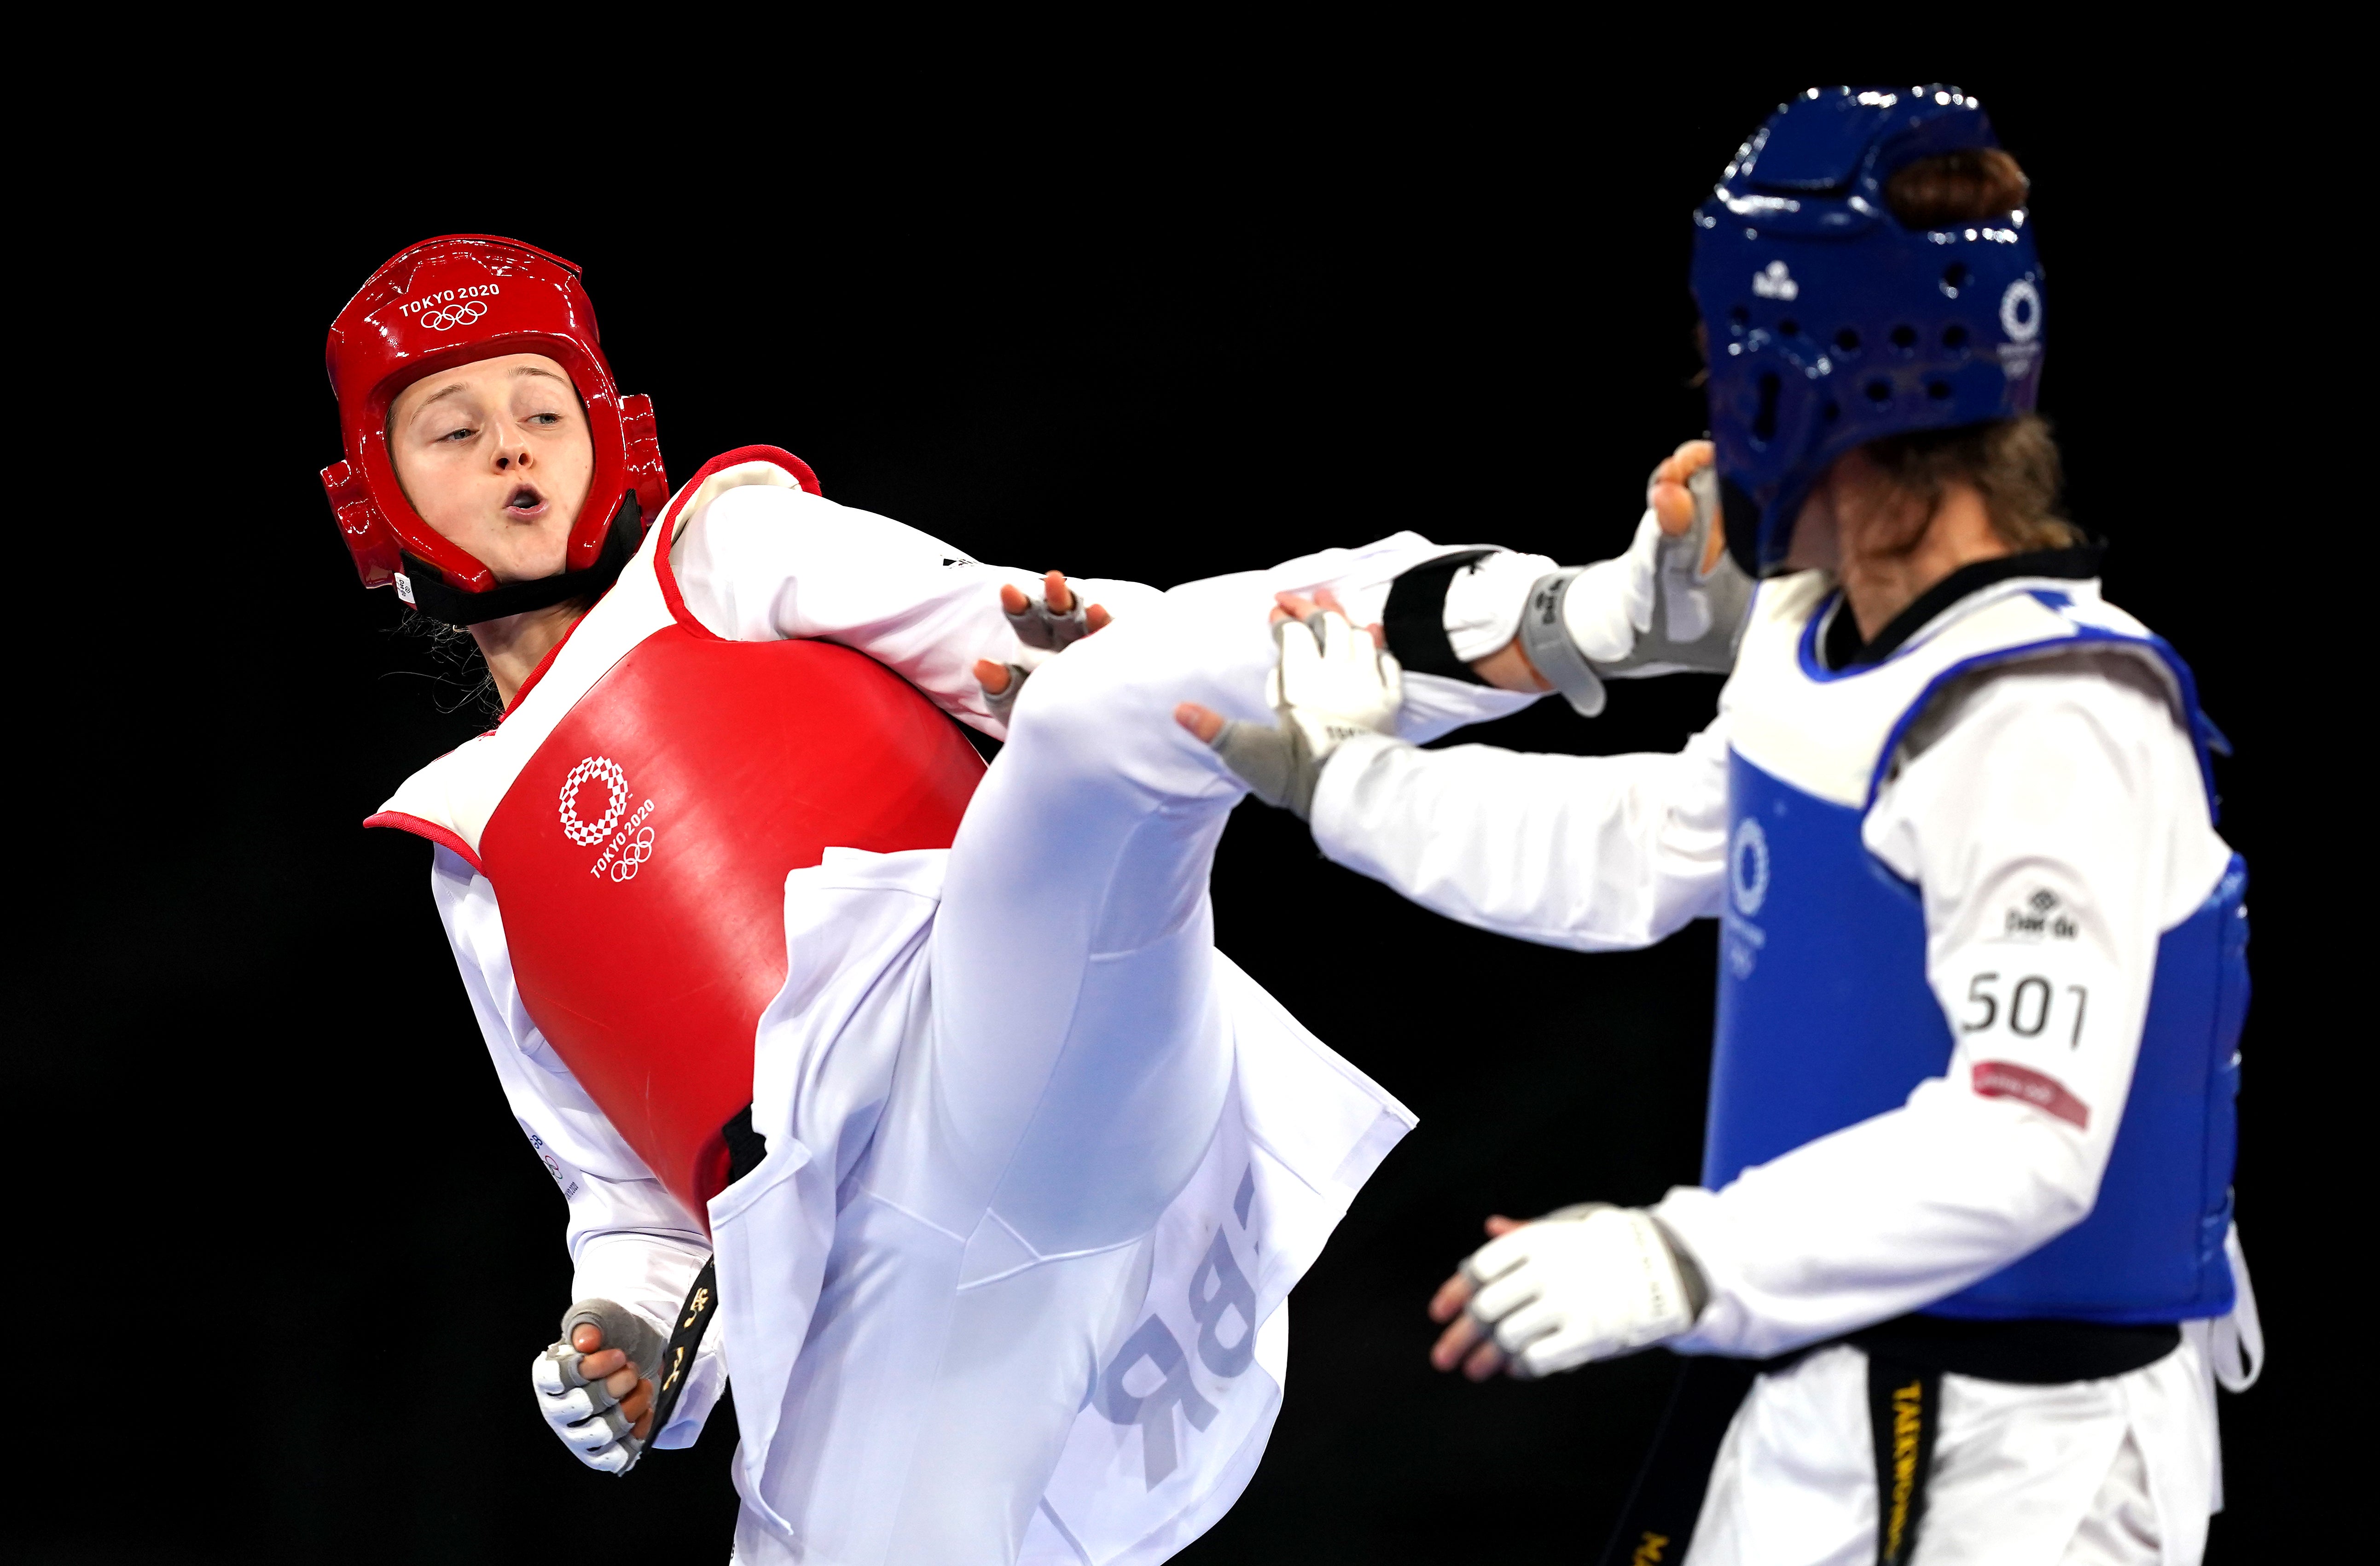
(362,528)
(644,475)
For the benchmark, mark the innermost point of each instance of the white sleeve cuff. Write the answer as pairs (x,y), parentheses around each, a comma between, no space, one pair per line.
(647,1274)
(1695,1220)
(1335,790)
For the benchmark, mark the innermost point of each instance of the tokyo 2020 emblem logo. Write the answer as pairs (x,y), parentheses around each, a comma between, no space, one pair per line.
(445,318)
(631,841)
(595,769)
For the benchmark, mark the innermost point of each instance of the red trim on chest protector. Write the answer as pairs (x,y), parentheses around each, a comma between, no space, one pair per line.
(667,526)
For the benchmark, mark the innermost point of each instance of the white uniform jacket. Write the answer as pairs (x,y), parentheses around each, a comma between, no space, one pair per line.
(1302,1130)
(2070,774)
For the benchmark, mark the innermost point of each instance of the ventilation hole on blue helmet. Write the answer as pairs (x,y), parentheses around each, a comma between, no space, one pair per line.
(1788,327)
(1954,276)
(1764,423)
(1740,318)
(1954,338)
(1904,337)
(1832,411)
(1847,340)
(1879,392)
(1938,390)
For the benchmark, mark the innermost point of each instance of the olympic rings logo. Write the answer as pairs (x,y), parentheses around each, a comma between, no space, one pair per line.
(445,318)
(633,855)
(597,769)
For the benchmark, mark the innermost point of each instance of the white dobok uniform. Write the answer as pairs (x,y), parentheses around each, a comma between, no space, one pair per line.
(2067,777)
(1042,1166)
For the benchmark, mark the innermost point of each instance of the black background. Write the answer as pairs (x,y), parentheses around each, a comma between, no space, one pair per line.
(289,1256)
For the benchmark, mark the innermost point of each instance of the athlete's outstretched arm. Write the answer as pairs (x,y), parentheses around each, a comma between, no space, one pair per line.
(1672,602)
(1594,853)
(760,563)
(1591,852)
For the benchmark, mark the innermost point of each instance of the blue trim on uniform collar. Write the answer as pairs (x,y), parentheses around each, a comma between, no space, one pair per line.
(1813,634)
(1813,665)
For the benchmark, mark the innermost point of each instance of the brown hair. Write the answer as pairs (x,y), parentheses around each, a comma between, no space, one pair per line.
(1956,188)
(2013,463)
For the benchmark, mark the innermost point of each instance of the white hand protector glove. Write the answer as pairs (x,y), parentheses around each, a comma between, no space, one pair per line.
(1696,615)
(583,1413)
(1653,611)
(1332,682)
(1583,1283)
(1041,634)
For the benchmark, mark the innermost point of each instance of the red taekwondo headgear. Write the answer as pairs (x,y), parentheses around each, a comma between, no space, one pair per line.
(449,301)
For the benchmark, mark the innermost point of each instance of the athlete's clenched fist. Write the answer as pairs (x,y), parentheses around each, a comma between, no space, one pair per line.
(590,1384)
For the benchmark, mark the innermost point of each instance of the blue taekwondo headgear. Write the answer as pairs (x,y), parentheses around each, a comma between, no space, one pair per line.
(1828,324)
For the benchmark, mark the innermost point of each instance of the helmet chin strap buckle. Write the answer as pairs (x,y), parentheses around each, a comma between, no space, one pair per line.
(432,595)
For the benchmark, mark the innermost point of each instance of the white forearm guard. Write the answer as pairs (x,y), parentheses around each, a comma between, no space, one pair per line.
(1585,1284)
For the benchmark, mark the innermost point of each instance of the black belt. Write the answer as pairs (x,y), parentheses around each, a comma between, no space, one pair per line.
(1907,1358)
(746,1148)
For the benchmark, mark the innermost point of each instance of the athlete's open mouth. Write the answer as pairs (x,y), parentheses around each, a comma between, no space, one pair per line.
(526,503)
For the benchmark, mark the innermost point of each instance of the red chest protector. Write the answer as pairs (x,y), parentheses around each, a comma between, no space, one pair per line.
(640,851)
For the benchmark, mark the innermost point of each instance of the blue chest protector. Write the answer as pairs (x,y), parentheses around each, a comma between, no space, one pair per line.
(1826,1017)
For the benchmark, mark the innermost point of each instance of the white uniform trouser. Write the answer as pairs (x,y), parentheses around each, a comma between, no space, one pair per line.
(1069,1080)
(2086,1474)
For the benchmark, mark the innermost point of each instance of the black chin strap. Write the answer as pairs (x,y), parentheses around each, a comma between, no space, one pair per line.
(435,598)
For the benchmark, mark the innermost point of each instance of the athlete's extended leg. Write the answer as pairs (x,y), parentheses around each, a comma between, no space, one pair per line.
(1076,1054)
(1075,1070)
(1077,1058)
(1078,1064)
